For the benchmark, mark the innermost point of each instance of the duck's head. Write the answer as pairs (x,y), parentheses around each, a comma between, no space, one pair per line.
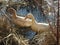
(29,15)
(11,10)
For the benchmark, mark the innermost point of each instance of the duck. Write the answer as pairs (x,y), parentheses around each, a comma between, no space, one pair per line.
(37,27)
(19,20)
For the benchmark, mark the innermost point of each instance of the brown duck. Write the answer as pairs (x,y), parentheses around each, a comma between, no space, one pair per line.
(19,20)
(37,27)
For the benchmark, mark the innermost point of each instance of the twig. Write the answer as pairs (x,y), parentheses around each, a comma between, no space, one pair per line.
(58,25)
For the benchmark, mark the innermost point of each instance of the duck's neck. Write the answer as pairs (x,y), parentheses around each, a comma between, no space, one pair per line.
(14,14)
(33,20)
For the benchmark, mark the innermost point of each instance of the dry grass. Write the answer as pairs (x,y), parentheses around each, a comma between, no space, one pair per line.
(9,35)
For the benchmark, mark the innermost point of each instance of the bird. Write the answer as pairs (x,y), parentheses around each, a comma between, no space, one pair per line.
(37,27)
(19,20)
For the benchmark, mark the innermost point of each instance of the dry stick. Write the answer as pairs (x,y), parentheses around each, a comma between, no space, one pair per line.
(58,25)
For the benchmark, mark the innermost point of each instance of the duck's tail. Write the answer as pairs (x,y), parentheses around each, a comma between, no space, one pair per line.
(12,11)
